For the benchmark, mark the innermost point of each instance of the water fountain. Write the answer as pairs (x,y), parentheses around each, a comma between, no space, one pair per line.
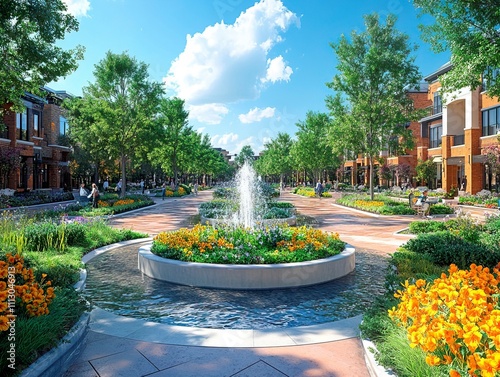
(251,204)
(246,276)
(249,197)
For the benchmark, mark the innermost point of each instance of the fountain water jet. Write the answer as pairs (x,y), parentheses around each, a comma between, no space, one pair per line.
(249,197)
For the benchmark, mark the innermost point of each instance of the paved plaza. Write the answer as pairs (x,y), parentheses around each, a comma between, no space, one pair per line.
(121,346)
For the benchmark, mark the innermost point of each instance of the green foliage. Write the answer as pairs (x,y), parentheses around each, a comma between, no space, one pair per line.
(445,248)
(426,171)
(36,335)
(246,155)
(276,158)
(376,69)
(116,117)
(31,56)
(418,227)
(311,151)
(469,31)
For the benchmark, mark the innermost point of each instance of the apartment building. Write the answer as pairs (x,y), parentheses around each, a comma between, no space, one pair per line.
(37,135)
(461,125)
(454,135)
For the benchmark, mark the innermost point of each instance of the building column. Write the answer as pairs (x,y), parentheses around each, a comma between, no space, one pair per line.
(449,171)
(473,171)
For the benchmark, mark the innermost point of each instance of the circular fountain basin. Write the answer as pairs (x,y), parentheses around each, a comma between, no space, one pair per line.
(292,221)
(246,277)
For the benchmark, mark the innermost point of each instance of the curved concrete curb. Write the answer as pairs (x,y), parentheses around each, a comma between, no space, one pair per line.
(59,359)
(255,276)
(375,369)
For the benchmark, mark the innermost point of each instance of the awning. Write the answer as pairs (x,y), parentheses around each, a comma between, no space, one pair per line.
(438,160)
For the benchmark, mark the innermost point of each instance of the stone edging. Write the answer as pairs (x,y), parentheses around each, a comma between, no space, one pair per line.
(233,276)
(59,359)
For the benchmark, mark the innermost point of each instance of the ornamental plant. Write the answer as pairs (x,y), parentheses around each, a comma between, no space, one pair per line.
(20,293)
(278,244)
(455,320)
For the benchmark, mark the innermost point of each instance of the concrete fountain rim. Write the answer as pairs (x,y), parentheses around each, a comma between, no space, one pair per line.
(246,276)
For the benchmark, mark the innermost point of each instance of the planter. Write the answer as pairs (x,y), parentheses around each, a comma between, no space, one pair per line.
(244,277)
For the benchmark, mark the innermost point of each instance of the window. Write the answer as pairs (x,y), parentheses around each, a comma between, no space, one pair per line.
(491,121)
(22,125)
(435,136)
(37,129)
(490,77)
(63,125)
(4,131)
(437,106)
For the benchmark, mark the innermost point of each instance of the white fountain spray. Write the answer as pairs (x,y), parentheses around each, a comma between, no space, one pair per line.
(249,196)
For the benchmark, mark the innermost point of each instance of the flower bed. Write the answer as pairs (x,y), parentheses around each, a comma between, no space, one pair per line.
(33,198)
(41,258)
(384,205)
(441,324)
(280,244)
(309,192)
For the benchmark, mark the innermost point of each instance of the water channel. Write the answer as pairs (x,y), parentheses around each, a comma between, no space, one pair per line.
(114,283)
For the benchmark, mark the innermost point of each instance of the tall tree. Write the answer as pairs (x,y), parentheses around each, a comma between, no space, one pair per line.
(277,158)
(246,155)
(311,152)
(29,56)
(119,110)
(371,105)
(173,149)
(470,31)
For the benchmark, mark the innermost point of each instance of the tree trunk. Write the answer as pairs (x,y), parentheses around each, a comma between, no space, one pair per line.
(124,170)
(371,178)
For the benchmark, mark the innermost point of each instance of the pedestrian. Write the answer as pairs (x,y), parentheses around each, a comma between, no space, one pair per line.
(105,185)
(319,189)
(142,186)
(95,196)
(195,188)
(119,186)
(463,187)
(163,189)
(83,193)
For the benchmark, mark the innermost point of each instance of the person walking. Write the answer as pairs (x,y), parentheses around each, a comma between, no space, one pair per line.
(163,189)
(95,196)
(83,194)
(105,185)
(195,188)
(319,189)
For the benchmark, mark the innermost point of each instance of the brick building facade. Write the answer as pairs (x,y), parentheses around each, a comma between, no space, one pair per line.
(454,135)
(36,133)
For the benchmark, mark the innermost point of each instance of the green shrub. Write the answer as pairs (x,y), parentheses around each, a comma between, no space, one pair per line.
(277,213)
(418,227)
(441,209)
(445,248)
(43,236)
(186,188)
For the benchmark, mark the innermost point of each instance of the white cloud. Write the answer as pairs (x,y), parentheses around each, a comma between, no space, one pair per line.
(277,70)
(210,113)
(223,140)
(256,115)
(200,130)
(226,63)
(78,7)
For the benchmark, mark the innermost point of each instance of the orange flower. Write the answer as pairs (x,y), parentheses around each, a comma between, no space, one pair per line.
(4,323)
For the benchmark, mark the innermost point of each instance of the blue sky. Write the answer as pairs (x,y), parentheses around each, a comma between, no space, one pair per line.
(247,69)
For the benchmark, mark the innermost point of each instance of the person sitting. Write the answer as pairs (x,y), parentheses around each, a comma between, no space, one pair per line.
(426,206)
